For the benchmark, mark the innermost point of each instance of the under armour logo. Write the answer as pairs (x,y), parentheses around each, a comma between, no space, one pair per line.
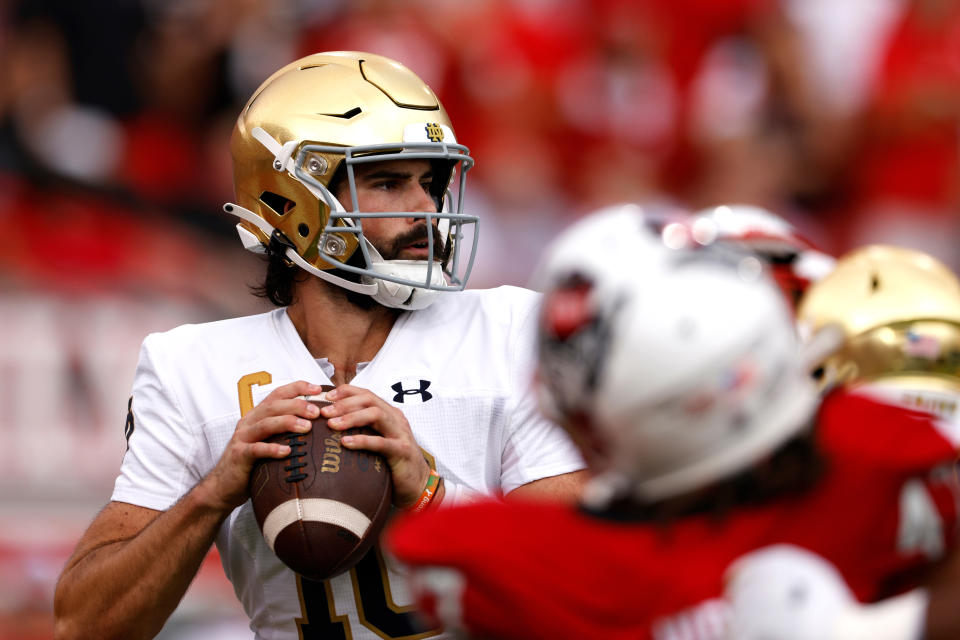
(434,132)
(422,391)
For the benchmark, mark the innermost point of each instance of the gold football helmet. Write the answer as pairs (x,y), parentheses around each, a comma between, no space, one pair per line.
(313,121)
(899,310)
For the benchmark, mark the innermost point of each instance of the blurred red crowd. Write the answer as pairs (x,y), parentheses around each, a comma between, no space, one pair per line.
(124,109)
(840,115)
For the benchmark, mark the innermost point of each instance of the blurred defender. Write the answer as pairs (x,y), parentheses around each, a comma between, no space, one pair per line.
(679,375)
(794,261)
(899,312)
(342,163)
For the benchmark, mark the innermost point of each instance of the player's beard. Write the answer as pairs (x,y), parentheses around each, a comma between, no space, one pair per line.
(389,251)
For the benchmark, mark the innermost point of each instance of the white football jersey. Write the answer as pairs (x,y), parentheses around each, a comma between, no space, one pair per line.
(460,371)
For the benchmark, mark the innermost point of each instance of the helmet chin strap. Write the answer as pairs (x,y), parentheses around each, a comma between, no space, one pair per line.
(387,293)
(252,243)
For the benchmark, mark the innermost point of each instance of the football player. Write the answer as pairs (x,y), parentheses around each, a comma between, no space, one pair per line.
(349,178)
(794,261)
(679,374)
(899,312)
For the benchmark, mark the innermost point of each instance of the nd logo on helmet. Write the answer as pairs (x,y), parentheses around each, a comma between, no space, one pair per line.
(434,132)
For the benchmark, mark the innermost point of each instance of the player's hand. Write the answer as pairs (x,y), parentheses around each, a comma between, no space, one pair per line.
(783,592)
(282,411)
(356,407)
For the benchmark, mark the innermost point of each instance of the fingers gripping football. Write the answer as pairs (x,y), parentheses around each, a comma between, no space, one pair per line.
(283,410)
(355,407)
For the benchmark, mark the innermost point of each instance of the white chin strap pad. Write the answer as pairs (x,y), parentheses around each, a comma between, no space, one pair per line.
(404,296)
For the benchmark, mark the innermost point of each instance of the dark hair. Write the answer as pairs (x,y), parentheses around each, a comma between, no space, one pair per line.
(281,276)
(791,470)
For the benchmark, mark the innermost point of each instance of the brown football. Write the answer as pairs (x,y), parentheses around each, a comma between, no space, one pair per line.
(322,507)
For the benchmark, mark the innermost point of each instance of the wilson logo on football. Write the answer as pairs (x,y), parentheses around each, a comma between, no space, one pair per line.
(331,454)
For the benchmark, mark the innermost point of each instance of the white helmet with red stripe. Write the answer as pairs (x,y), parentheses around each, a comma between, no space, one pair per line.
(670,367)
(795,261)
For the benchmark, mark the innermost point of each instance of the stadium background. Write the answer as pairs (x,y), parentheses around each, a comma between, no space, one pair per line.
(840,115)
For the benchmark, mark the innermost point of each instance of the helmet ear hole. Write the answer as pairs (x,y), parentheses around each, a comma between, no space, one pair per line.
(277,203)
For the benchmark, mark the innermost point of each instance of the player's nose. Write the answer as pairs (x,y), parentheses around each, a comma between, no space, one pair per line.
(419,200)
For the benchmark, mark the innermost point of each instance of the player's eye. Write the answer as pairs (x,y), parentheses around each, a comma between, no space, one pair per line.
(386,185)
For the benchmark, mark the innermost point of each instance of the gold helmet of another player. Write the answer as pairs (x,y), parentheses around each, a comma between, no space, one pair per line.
(899,310)
(309,125)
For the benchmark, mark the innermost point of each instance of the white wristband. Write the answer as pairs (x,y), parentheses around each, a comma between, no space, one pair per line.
(899,618)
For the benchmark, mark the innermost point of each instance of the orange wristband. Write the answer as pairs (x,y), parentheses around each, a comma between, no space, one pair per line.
(429,490)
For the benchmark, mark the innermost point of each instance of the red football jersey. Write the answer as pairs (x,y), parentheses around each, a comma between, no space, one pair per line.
(884,511)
